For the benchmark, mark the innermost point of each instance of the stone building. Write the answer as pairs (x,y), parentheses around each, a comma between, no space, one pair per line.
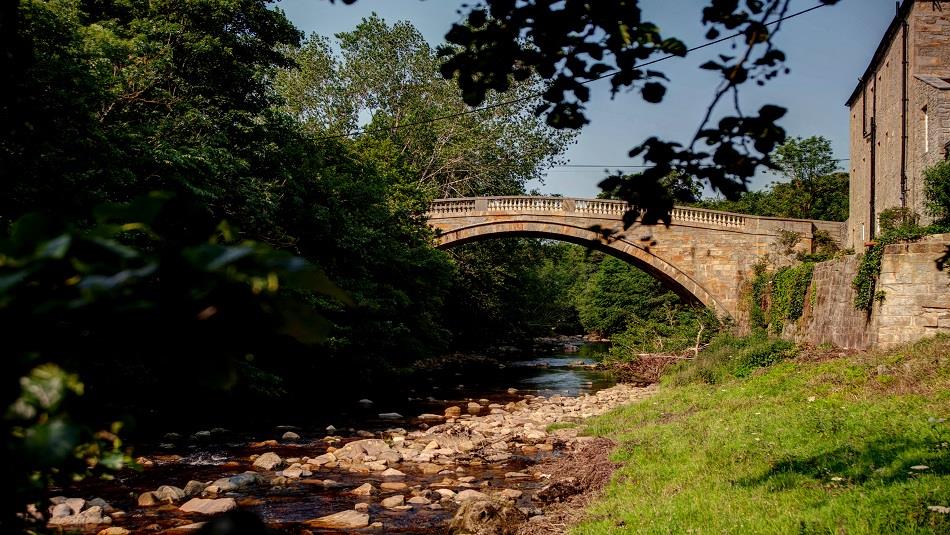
(900,116)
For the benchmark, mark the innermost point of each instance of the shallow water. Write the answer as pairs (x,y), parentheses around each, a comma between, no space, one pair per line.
(227,453)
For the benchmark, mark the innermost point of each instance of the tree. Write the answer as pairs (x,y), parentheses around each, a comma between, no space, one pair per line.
(571,43)
(389,73)
(805,162)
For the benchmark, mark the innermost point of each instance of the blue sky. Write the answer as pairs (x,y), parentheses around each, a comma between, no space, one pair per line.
(828,50)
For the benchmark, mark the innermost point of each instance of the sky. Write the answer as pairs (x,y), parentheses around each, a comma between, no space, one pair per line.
(828,50)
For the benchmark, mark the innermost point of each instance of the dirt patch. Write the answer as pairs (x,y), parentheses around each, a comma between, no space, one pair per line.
(577,478)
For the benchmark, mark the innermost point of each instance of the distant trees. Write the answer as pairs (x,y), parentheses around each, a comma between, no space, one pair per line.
(814,189)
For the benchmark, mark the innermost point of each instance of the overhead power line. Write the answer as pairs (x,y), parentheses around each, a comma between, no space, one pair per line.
(539,93)
(605,166)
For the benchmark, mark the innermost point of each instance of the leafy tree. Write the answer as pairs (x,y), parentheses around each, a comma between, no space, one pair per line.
(570,43)
(390,74)
(937,192)
(618,293)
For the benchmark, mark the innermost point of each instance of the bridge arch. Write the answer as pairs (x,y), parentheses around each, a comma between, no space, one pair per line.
(704,255)
(623,247)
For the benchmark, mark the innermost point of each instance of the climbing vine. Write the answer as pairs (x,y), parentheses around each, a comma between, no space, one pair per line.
(778,297)
(869,270)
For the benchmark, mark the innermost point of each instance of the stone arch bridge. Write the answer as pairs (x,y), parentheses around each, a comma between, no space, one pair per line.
(703,255)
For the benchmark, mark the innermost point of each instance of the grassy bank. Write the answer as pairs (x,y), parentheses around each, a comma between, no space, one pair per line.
(817,443)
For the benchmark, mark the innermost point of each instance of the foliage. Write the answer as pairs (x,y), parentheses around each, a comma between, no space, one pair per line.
(869,270)
(897,218)
(572,43)
(727,356)
(777,298)
(100,301)
(388,72)
(814,190)
(937,192)
(683,328)
(617,294)
(816,445)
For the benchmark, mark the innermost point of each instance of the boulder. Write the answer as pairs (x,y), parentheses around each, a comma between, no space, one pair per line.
(343,520)
(149,499)
(358,449)
(487,517)
(194,488)
(365,489)
(393,501)
(170,494)
(106,506)
(75,504)
(209,506)
(267,461)
(240,481)
(89,517)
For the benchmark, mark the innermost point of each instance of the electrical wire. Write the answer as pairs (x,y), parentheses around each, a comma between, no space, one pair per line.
(540,93)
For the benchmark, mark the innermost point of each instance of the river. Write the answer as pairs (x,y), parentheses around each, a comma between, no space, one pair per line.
(210,455)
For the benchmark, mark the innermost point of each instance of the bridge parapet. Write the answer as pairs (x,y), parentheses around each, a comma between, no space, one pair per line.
(611,209)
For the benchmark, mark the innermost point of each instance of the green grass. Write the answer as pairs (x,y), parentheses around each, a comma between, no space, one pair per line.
(560,425)
(807,445)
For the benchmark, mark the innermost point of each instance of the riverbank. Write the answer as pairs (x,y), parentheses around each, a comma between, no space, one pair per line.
(825,442)
(417,480)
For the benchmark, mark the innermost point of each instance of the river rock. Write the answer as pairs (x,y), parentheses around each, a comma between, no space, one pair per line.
(419,500)
(393,485)
(365,489)
(390,416)
(240,481)
(114,530)
(427,417)
(263,444)
(343,520)
(470,494)
(358,449)
(106,506)
(267,461)
(89,517)
(512,494)
(149,499)
(392,472)
(362,507)
(75,504)
(487,517)
(429,468)
(393,501)
(209,506)
(290,436)
(194,488)
(474,408)
(60,510)
(453,412)
(365,403)
(170,494)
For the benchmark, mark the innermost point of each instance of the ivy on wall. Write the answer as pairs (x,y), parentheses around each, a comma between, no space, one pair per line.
(778,297)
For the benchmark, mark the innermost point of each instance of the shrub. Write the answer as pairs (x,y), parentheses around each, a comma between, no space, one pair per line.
(730,356)
(897,218)
(937,191)
(779,297)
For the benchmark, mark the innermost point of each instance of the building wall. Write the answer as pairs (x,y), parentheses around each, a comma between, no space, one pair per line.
(928,54)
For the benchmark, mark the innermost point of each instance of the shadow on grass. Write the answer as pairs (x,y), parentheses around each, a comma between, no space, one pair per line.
(884,461)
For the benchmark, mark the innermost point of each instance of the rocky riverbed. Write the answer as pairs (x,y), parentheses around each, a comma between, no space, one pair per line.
(474,461)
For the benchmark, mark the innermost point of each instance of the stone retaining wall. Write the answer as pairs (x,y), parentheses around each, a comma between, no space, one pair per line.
(916,299)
